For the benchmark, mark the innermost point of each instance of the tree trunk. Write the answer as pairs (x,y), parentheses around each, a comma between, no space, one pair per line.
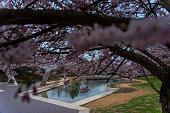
(44,80)
(165,98)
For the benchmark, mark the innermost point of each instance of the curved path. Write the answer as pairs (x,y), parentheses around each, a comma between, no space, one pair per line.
(120,98)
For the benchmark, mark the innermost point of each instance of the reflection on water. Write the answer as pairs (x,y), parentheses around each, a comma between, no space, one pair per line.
(44,94)
(71,93)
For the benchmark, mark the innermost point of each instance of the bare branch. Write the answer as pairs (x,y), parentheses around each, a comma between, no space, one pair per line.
(116,69)
(49,52)
(166,4)
(151,84)
(107,65)
(22,39)
(28,5)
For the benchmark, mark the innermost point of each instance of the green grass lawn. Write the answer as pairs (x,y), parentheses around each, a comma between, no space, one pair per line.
(143,104)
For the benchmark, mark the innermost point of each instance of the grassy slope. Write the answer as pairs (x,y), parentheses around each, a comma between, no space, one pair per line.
(143,104)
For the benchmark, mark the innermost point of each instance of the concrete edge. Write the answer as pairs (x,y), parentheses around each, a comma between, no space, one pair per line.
(85,111)
(59,103)
(90,99)
(1,90)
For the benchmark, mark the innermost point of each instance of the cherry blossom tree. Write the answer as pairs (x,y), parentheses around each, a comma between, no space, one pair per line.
(88,36)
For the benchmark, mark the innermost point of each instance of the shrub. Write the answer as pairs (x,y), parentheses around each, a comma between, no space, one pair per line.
(125,90)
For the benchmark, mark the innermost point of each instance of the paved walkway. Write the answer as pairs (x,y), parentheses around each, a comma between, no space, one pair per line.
(8,104)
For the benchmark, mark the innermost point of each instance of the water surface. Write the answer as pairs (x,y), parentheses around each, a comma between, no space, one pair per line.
(71,93)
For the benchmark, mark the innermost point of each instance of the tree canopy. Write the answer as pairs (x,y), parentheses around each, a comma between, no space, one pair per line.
(88,36)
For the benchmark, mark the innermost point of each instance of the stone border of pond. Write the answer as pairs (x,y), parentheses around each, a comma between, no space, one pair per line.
(90,99)
(75,105)
(1,90)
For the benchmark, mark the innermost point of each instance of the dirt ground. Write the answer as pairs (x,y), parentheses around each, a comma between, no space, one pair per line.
(121,98)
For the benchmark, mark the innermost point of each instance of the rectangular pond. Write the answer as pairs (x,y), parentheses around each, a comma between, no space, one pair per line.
(72,92)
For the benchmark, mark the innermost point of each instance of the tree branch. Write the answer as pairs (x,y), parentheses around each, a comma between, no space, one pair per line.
(22,39)
(116,69)
(49,16)
(107,65)
(96,2)
(49,52)
(167,45)
(28,5)
(163,65)
(110,62)
(151,84)
(166,4)
(148,64)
